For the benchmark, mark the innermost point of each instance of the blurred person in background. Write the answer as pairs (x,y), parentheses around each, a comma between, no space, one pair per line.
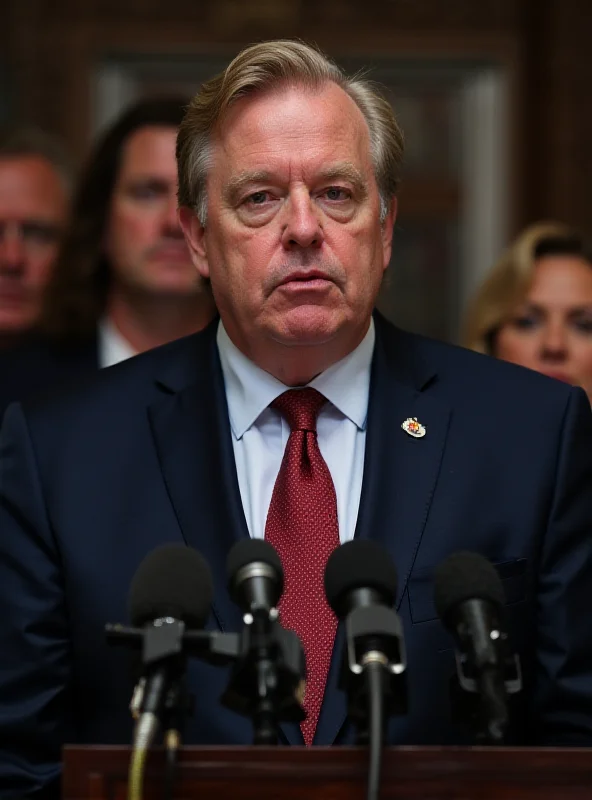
(535,306)
(124,282)
(35,184)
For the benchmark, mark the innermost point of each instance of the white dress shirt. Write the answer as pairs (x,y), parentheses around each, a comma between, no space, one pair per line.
(113,348)
(260,433)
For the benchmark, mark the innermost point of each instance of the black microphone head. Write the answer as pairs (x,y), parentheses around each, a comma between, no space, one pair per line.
(359,564)
(465,576)
(252,551)
(172,581)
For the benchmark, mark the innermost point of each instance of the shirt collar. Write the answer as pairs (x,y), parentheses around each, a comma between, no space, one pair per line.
(113,348)
(250,390)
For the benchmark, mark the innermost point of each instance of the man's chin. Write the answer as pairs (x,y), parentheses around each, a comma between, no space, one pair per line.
(308,326)
(171,288)
(15,320)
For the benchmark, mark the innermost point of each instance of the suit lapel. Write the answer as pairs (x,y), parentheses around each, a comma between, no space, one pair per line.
(400,474)
(400,471)
(193,441)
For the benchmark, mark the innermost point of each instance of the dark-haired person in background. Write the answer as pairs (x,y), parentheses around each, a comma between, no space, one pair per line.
(35,185)
(124,282)
(535,306)
(300,416)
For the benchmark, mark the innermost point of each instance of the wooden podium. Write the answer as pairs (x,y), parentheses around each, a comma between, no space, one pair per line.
(336,773)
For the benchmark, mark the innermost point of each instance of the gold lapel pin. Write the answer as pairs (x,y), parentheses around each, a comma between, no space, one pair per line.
(414,428)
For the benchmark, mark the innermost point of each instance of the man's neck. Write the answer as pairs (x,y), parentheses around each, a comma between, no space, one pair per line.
(298,365)
(146,322)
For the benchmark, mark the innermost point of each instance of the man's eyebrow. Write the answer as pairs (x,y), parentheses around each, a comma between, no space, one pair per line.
(235,185)
(344,171)
(150,181)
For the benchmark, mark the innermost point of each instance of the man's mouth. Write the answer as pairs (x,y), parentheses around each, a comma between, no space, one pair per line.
(11,293)
(306,278)
(173,251)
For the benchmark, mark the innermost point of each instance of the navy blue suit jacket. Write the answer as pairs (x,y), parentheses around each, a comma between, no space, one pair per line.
(37,365)
(142,455)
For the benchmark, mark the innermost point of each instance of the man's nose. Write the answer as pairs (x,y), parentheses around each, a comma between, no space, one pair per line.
(171,217)
(301,224)
(12,248)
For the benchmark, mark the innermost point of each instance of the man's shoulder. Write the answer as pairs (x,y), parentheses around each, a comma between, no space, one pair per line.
(459,375)
(122,389)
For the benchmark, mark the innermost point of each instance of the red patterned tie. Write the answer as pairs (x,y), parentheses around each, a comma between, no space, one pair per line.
(302,526)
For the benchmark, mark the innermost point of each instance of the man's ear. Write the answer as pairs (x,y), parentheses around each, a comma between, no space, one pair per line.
(387,232)
(194,233)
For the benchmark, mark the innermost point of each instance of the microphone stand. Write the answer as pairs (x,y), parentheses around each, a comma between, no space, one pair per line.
(179,704)
(480,697)
(161,695)
(267,678)
(265,724)
(373,677)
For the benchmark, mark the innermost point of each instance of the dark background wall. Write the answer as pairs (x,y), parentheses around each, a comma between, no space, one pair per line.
(49,49)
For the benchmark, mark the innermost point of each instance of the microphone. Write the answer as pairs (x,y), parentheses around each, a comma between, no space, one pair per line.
(469,598)
(361,587)
(359,573)
(268,679)
(170,591)
(255,578)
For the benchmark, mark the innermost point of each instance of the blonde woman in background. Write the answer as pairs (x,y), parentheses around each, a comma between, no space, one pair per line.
(535,306)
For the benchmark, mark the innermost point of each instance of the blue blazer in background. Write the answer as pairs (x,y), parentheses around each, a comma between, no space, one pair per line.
(141,454)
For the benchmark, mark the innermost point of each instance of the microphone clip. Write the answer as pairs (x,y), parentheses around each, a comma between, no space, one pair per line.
(374,641)
(161,695)
(482,694)
(365,624)
(168,638)
(467,680)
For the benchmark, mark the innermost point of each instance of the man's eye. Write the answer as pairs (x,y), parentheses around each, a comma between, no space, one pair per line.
(38,233)
(336,193)
(258,198)
(144,193)
(584,325)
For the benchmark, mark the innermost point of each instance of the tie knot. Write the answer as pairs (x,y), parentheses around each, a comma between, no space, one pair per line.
(300,408)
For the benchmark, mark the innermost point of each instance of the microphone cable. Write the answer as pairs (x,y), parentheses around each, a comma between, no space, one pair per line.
(361,586)
(138,764)
(172,743)
(375,675)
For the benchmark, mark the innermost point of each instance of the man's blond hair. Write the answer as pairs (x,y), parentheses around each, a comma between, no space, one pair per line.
(270,65)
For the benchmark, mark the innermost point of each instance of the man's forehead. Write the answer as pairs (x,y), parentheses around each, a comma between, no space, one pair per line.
(320,133)
(30,184)
(298,98)
(28,168)
(157,140)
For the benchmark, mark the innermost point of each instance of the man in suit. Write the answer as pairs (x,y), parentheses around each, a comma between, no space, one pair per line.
(297,399)
(35,186)
(123,282)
